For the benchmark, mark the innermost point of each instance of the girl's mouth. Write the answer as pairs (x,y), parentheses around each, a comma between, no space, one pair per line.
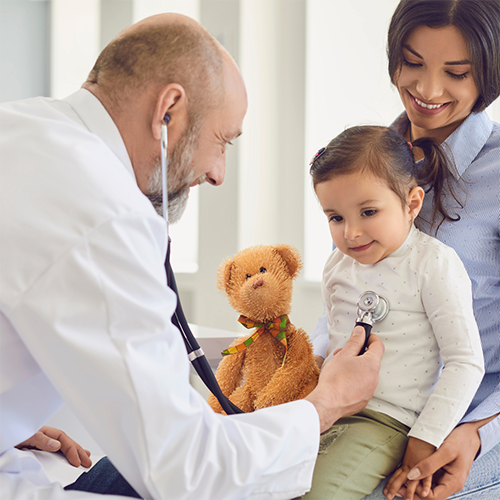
(362,247)
(428,108)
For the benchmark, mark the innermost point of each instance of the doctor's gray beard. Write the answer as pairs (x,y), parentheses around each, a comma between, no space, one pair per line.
(179,176)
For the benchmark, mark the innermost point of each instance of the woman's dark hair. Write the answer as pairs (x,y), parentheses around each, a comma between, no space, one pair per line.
(477,20)
(385,154)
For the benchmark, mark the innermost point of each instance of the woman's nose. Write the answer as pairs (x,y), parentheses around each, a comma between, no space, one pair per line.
(429,87)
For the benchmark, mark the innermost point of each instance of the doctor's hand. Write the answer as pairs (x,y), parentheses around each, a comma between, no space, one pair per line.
(50,439)
(347,382)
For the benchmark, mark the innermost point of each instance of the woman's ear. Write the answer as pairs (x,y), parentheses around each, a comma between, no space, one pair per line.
(415,200)
(172,100)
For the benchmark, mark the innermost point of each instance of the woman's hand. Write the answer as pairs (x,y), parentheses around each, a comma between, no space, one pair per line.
(416,451)
(50,439)
(450,464)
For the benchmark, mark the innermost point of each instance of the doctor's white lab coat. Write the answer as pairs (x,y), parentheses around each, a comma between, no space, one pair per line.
(85,320)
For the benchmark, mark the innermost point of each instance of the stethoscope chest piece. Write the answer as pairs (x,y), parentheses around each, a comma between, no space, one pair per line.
(372,308)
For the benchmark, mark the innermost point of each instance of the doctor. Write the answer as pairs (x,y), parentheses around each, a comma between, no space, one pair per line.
(84,305)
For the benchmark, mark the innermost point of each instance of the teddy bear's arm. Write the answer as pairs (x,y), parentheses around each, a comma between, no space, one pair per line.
(296,378)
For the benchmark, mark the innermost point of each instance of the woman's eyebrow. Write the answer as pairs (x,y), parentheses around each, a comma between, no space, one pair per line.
(449,63)
(414,52)
(457,63)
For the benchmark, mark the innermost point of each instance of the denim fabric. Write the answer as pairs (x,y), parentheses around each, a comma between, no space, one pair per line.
(103,478)
(483,482)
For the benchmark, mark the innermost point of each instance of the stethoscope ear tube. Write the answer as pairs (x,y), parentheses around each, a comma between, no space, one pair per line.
(195,353)
(198,359)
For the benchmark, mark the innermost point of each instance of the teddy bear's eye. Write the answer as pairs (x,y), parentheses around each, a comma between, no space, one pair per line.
(248,276)
(263,269)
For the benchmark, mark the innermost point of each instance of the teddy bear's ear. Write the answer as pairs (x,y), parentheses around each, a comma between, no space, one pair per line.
(292,259)
(224,275)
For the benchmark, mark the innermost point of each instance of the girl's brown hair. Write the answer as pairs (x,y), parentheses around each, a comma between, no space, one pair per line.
(384,153)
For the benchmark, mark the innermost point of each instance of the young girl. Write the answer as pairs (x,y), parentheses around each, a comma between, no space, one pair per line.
(371,191)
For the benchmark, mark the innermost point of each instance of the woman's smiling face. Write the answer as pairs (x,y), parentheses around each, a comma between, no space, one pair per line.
(435,81)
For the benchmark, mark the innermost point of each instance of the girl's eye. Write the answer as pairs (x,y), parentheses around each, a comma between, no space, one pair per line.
(411,65)
(248,276)
(368,213)
(335,218)
(461,76)
(263,269)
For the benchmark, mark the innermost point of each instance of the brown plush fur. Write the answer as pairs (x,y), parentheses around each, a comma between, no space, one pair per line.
(258,284)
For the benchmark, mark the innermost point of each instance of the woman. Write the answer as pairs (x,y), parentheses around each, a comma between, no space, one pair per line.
(444,59)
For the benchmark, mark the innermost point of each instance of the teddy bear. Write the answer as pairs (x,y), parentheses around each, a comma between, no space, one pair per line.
(274,364)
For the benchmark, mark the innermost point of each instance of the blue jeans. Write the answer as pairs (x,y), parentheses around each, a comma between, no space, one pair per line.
(103,478)
(483,482)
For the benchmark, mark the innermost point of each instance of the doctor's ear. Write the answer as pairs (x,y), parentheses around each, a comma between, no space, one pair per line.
(415,200)
(170,108)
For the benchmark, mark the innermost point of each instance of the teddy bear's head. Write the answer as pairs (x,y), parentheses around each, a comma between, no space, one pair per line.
(258,280)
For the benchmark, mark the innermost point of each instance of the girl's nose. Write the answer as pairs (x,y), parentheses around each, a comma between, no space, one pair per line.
(352,231)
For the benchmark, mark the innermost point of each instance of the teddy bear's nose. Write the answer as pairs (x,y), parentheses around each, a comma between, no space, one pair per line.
(258,283)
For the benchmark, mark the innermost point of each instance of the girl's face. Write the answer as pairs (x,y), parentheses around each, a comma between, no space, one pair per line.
(435,82)
(367,219)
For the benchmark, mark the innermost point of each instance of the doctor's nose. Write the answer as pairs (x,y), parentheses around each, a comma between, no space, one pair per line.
(218,172)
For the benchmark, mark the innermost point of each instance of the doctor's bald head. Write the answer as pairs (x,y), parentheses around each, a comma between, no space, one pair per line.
(169,68)
(162,49)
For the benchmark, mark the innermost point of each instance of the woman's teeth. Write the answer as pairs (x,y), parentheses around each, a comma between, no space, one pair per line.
(428,106)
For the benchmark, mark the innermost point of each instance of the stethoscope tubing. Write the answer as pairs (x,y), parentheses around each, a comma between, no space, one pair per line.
(195,352)
(199,361)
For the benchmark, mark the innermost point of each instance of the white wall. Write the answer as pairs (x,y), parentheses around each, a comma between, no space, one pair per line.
(24,49)
(312,68)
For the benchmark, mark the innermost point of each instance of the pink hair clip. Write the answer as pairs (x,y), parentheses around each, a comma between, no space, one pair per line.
(317,155)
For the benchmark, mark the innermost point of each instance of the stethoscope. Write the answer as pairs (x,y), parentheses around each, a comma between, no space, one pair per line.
(195,352)
(372,308)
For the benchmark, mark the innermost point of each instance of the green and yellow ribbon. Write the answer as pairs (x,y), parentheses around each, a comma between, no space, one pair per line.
(276,328)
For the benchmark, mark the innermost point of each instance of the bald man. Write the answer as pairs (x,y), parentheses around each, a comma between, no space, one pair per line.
(84,304)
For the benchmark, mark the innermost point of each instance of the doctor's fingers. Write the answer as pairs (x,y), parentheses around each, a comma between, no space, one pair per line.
(51,439)
(352,347)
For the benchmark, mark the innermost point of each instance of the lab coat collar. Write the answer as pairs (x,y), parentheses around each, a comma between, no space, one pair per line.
(98,121)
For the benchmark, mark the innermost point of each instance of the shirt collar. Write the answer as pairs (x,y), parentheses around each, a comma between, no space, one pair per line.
(98,121)
(464,143)
(408,244)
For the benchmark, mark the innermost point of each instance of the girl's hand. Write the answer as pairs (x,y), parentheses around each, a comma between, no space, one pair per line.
(416,451)
(319,361)
(50,439)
